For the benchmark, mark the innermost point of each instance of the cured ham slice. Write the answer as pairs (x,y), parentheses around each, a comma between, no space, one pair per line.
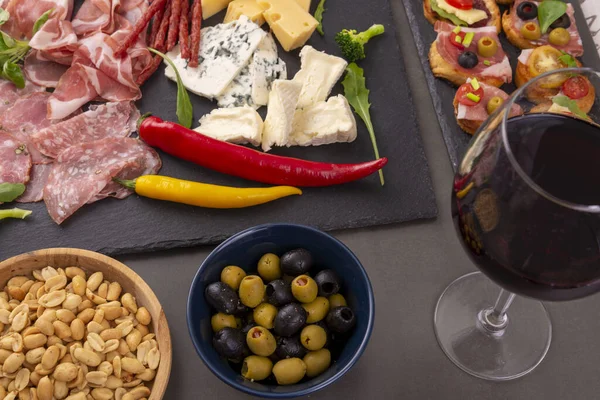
(9,93)
(82,172)
(24,13)
(479,111)
(15,162)
(99,122)
(43,71)
(35,188)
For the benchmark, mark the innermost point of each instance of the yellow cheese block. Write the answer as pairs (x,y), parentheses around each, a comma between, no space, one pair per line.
(249,8)
(305,4)
(211,7)
(469,16)
(290,23)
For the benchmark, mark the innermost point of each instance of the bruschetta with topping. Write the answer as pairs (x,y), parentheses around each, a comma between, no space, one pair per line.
(467,13)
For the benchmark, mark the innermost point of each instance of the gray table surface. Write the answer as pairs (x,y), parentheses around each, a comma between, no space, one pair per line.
(409,266)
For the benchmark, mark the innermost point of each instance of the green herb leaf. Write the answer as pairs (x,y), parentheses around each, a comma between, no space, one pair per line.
(549,11)
(356,92)
(185,111)
(319,16)
(10,191)
(567,60)
(455,20)
(42,20)
(13,73)
(571,104)
(4,16)
(7,41)
(15,213)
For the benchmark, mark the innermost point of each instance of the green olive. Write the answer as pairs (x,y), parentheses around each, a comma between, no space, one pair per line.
(220,321)
(232,276)
(494,104)
(559,37)
(531,31)
(264,315)
(268,267)
(317,362)
(316,310)
(337,300)
(260,341)
(304,289)
(313,337)
(289,371)
(256,368)
(487,47)
(252,291)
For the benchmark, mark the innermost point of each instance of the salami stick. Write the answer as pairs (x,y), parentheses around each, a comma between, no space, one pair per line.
(161,37)
(156,24)
(140,26)
(149,71)
(174,24)
(196,27)
(184,30)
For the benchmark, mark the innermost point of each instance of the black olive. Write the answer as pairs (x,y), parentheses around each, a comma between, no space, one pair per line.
(296,262)
(289,320)
(223,298)
(279,293)
(340,319)
(246,328)
(231,344)
(563,22)
(290,347)
(328,282)
(527,10)
(468,60)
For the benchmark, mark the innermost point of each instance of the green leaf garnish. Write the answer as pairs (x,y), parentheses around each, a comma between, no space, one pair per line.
(567,60)
(42,20)
(356,92)
(15,213)
(319,16)
(571,104)
(4,16)
(549,11)
(10,191)
(13,73)
(185,111)
(455,20)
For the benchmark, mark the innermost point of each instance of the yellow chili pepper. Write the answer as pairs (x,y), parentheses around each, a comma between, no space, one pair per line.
(205,195)
(461,194)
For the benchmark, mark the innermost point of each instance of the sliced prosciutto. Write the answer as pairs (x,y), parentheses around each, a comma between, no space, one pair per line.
(479,112)
(82,173)
(15,162)
(499,65)
(9,93)
(99,122)
(43,70)
(35,188)
(24,13)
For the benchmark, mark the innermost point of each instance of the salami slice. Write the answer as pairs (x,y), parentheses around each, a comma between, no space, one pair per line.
(35,188)
(82,173)
(99,122)
(9,93)
(15,161)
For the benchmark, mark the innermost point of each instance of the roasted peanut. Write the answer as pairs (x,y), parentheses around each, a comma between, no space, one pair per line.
(129,302)
(72,272)
(114,291)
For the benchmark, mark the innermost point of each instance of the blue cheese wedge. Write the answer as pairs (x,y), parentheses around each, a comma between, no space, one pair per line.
(280,113)
(225,49)
(239,125)
(239,91)
(266,67)
(318,74)
(324,123)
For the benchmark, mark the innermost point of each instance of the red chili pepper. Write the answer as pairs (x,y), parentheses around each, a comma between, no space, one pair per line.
(247,163)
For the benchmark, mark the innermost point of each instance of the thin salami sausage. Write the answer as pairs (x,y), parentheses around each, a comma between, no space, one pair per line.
(149,71)
(184,32)
(156,25)
(174,24)
(161,37)
(139,27)
(196,28)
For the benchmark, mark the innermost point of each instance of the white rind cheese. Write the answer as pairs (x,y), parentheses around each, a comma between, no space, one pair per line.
(318,74)
(266,67)
(280,113)
(236,125)
(469,16)
(324,123)
(225,49)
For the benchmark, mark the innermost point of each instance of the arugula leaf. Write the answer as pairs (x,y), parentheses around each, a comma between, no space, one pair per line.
(7,41)
(42,20)
(13,73)
(185,111)
(319,16)
(571,104)
(549,11)
(568,60)
(10,191)
(455,20)
(4,16)
(357,94)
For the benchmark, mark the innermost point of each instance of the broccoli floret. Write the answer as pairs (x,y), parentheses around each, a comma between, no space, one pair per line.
(352,43)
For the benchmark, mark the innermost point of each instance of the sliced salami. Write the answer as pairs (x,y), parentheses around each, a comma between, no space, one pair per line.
(99,122)
(15,161)
(35,188)
(9,93)
(82,172)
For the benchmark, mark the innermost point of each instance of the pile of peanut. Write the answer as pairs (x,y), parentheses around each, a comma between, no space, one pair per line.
(68,336)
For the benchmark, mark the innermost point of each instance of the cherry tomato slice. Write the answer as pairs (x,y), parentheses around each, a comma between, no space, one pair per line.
(576,87)
(454,42)
(466,89)
(461,4)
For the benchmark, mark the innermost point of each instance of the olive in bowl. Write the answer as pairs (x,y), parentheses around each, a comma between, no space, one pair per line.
(309,370)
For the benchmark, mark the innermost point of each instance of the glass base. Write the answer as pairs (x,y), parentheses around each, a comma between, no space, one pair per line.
(510,354)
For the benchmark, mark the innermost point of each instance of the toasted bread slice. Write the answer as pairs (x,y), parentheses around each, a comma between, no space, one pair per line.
(466,125)
(505,2)
(585,103)
(495,17)
(513,35)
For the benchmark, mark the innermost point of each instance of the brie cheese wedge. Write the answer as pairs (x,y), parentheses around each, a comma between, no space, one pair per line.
(238,125)
(280,113)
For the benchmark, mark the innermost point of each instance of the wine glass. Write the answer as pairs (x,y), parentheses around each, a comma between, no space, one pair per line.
(526,207)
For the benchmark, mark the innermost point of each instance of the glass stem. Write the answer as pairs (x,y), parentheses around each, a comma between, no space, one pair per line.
(494,319)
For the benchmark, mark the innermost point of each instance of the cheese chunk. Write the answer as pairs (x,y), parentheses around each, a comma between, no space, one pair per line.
(236,125)
(280,114)
(469,16)
(305,4)
(291,24)
(211,7)
(318,74)
(249,8)
(239,91)
(324,123)
(265,68)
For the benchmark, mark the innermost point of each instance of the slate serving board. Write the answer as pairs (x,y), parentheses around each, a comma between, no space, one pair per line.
(139,224)
(442,92)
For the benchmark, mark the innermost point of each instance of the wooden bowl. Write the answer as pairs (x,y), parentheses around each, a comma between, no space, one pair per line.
(113,270)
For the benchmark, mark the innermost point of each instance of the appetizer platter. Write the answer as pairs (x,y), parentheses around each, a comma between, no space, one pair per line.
(134,125)
(476,52)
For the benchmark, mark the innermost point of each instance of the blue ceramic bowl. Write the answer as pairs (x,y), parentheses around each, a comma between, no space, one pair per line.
(244,250)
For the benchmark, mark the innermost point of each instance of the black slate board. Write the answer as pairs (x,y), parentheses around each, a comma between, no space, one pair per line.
(442,92)
(140,224)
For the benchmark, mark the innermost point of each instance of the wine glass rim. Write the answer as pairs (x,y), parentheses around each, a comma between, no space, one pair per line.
(594,208)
